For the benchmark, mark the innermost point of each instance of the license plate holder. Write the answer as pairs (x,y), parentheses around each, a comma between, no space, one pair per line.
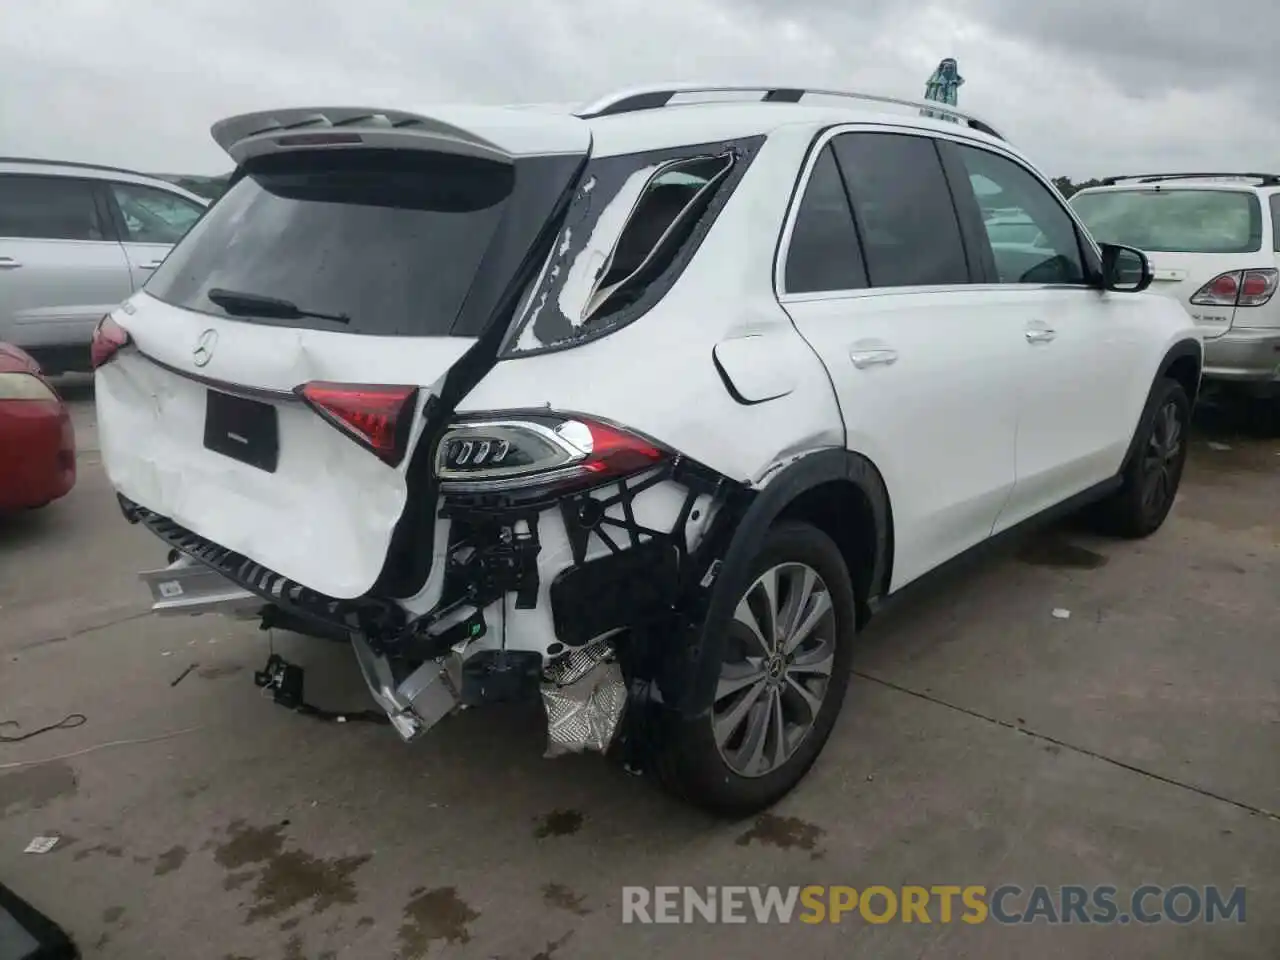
(242,429)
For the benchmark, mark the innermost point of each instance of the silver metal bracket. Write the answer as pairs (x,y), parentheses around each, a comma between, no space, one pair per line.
(188,587)
(416,704)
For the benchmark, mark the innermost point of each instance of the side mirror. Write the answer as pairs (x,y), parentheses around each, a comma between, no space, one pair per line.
(1125,269)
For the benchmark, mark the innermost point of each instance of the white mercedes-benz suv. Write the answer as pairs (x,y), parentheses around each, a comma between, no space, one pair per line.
(640,408)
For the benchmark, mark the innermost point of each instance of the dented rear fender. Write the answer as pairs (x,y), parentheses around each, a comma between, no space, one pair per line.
(705,610)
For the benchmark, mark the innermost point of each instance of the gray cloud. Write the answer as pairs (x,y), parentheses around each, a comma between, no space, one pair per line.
(1098,87)
(1145,45)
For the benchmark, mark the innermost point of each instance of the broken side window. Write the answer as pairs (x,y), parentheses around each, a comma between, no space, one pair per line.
(635,222)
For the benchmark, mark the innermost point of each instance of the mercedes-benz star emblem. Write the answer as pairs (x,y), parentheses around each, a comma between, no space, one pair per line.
(204,347)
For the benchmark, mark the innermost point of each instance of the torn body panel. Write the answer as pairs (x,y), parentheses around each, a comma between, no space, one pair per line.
(630,212)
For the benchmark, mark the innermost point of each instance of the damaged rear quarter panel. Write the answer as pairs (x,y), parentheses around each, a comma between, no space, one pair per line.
(658,375)
(556,315)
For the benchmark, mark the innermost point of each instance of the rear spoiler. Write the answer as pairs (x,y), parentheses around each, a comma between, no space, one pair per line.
(493,133)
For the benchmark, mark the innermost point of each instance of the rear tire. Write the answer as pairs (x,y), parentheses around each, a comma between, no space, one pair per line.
(775,703)
(1151,480)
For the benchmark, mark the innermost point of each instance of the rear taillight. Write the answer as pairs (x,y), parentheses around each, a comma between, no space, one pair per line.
(1238,288)
(1257,287)
(539,453)
(25,386)
(379,417)
(108,338)
(1221,291)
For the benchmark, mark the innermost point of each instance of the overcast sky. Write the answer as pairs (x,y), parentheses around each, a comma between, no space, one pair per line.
(1086,88)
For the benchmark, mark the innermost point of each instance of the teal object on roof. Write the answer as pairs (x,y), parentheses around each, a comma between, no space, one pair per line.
(943,87)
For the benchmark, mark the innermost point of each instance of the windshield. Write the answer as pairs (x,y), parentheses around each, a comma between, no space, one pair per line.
(1174,221)
(390,239)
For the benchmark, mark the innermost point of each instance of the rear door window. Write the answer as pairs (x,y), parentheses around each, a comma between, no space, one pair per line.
(152,215)
(824,254)
(49,208)
(390,240)
(907,221)
(1174,220)
(1275,222)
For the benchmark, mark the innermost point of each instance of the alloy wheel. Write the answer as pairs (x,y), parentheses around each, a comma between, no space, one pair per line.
(1162,460)
(776,669)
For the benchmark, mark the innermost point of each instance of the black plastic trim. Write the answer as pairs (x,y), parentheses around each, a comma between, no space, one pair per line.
(641,101)
(1183,348)
(374,617)
(623,589)
(707,616)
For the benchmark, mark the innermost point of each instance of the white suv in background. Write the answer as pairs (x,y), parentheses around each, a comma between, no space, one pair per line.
(1214,244)
(642,408)
(75,240)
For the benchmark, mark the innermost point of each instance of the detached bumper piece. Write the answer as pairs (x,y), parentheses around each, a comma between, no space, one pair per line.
(188,587)
(417,702)
(368,615)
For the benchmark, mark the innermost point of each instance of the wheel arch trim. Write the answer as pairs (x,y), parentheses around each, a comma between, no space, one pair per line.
(805,472)
(1183,348)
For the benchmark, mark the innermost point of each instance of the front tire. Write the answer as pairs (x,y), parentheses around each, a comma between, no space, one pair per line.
(1151,480)
(784,660)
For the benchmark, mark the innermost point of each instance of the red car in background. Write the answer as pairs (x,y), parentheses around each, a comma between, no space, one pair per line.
(37,441)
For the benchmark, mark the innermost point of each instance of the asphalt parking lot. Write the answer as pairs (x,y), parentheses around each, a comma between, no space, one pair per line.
(984,741)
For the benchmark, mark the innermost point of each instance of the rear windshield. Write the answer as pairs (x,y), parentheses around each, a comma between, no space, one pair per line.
(389,240)
(1174,221)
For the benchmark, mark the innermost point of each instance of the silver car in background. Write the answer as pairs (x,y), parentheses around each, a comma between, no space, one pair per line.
(75,241)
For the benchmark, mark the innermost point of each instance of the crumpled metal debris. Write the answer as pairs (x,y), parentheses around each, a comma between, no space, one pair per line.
(584,713)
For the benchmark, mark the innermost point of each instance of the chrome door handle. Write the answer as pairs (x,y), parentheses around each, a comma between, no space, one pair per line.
(8,263)
(870,358)
(1040,336)
(150,266)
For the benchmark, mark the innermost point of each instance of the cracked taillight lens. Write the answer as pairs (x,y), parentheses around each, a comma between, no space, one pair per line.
(509,453)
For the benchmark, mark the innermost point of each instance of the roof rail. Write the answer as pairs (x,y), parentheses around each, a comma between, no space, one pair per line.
(1267,179)
(76,164)
(655,97)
